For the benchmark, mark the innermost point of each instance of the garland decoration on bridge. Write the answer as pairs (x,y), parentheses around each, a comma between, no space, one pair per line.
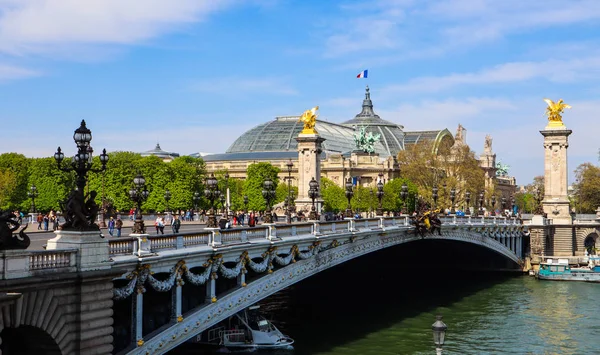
(290,258)
(137,279)
(200,279)
(166,285)
(312,250)
(264,264)
(235,271)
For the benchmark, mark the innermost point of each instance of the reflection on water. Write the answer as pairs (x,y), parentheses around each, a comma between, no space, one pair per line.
(387,310)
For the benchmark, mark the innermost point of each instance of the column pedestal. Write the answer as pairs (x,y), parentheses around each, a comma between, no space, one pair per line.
(92,249)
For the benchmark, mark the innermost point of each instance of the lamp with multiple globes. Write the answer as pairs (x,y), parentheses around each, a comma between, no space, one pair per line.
(452,198)
(349,194)
(268,193)
(313,193)
(32,194)
(404,196)
(379,211)
(467,200)
(138,194)
(212,193)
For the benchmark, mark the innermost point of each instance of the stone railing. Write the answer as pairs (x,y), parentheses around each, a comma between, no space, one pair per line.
(23,263)
(219,237)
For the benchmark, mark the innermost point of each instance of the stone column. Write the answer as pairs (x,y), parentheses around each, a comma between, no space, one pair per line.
(556,201)
(309,166)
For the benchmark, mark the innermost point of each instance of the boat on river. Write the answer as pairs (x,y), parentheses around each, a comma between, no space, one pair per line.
(562,271)
(245,331)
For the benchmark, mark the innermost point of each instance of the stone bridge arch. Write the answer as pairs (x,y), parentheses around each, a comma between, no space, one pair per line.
(583,237)
(330,253)
(63,314)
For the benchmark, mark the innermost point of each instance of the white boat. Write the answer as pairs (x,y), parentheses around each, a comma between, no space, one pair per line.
(246,330)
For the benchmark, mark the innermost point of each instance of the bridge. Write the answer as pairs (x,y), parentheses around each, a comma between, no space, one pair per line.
(149,294)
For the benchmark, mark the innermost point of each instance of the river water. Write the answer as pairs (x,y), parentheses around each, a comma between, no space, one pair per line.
(380,308)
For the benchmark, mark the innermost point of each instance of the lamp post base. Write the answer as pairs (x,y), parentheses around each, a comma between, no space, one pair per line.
(138,226)
(212,221)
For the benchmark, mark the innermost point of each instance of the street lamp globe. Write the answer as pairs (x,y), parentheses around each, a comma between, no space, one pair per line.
(82,135)
(349,194)
(439,332)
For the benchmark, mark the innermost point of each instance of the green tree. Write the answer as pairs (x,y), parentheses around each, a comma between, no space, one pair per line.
(391,198)
(334,198)
(253,185)
(53,185)
(18,164)
(114,183)
(426,165)
(587,188)
(8,184)
(187,177)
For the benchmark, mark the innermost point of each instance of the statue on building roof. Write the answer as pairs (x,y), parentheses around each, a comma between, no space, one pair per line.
(459,138)
(365,141)
(554,112)
(502,169)
(309,118)
(487,145)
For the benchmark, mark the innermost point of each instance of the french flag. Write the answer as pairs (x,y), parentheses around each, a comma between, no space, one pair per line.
(363,74)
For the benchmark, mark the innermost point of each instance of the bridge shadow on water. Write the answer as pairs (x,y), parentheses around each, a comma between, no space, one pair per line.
(373,292)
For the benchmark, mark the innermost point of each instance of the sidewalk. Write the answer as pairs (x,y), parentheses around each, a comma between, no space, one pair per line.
(127,224)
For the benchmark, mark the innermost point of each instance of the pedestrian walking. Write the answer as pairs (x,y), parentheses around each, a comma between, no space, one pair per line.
(119,225)
(111,226)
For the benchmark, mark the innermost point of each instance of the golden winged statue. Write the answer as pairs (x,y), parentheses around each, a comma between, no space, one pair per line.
(309,118)
(554,112)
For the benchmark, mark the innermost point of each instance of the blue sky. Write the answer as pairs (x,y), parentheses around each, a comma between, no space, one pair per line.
(193,75)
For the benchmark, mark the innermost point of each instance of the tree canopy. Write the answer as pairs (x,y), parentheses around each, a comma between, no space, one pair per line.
(253,185)
(453,166)
(587,188)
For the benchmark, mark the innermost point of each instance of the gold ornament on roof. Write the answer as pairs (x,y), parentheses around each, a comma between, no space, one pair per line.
(554,112)
(309,118)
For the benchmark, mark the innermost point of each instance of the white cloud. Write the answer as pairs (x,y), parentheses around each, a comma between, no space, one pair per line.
(426,28)
(9,72)
(561,71)
(42,26)
(236,86)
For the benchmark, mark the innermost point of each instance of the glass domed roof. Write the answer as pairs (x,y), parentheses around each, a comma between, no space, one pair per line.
(280,135)
(392,135)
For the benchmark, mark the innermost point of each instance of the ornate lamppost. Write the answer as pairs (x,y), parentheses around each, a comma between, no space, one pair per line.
(493,205)
(512,205)
(439,333)
(288,211)
(212,193)
(445,193)
(32,194)
(79,213)
(138,194)
(349,194)
(196,199)
(434,195)
(481,203)
(245,203)
(268,193)
(313,193)
(467,200)
(403,196)
(380,195)
(167,198)
(452,198)
(503,203)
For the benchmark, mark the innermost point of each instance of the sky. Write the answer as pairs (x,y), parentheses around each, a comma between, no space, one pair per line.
(193,75)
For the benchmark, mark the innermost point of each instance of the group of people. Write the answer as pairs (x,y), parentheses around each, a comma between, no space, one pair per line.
(44,219)
(115,224)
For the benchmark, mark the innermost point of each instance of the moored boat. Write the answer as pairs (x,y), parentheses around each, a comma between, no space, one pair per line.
(246,330)
(562,271)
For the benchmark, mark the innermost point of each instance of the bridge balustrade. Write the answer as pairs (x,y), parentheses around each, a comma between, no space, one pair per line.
(23,263)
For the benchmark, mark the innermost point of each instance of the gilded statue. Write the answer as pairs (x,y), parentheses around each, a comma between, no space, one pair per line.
(309,118)
(554,112)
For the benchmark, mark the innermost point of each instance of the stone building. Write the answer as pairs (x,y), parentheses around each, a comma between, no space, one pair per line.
(157,151)
(275,142)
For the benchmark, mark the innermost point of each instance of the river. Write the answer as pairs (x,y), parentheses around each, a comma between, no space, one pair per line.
(378,308)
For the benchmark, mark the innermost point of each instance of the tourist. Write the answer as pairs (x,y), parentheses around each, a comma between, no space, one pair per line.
(175,224)
(119,225)
(111,226)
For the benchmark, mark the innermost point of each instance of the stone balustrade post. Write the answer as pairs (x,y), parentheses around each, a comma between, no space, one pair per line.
(179,242)
(144,245)
(176,301)
(316,230)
